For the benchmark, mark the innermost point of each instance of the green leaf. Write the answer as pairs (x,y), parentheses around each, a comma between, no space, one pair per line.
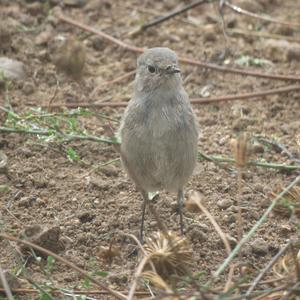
(86,283)
(50,263)
(247,61)
(72,155)
(45,296)
(101,273)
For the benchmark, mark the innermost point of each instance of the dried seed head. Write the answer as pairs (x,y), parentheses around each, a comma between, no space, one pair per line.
(159,283)
(290,203)
(107,254)
(285,267)
(241,150)
(191,202)
(156,280)
(169,253)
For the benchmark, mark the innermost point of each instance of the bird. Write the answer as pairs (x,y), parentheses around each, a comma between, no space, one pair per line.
(159,130)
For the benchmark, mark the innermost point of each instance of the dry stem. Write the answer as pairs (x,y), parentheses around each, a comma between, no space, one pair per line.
(117,294)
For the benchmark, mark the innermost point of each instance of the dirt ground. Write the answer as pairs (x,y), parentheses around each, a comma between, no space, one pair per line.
(92,207)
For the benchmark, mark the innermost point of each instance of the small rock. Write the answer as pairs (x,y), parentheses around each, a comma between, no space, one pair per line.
(210,33)
(282,30)
(86,216)
(258,148)
(293,54)
(28,88)
(231,22)
(12,69)
(35,8)
(279,50)
(250,5)
(97,43)
(12,281)
(224,203)
(99,183)
(110,171)
(43,38)
(75,3)
(26,201)
(231,240)
(174,206)
(197,235)
(47,238)
(241,124)
(5,36)
(260,247)
(69,56)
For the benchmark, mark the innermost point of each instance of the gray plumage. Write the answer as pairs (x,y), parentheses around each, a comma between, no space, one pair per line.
(159,130)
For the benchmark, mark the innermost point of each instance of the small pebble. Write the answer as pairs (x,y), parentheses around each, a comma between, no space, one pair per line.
(224,203)
(260,247)
(197,235)
(28,88)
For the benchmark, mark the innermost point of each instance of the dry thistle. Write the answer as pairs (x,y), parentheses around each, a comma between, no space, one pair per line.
(159,283)
(290,203)
(191,204)
(107,254)
(241,150)
(285,267)
(170,254)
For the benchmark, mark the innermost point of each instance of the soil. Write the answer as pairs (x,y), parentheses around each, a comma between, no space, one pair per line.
(90,209)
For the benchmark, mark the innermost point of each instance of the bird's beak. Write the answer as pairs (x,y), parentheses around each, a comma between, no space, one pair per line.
(172,69)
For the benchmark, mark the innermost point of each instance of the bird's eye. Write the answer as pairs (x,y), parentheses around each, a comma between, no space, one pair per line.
(151,69)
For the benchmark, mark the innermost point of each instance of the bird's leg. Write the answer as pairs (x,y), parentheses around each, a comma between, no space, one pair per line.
(180,200)
(144,204)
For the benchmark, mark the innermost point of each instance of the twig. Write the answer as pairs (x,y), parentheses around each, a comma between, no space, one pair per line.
(195,197)
(293,290)
(78,292)
(181,59)
(136,276)
(276,166)
(141,247)
(209,100)
(116,80)
(256,16)
(100,33)
(117,294)
(168,16)
(261,34)
(103,139)
(100,166)
(254,228)
(85,105)
(266,269)
(55,92)
(279,147)
(239,223)
(67,137)
(5,285)
(296,261)
(236,71)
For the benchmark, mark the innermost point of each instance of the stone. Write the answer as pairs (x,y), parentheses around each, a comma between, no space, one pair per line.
(250,5)
(28,88)
(11,68)
(224,203)
(197,235)
(46,237)
(279,50)
(259,247)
